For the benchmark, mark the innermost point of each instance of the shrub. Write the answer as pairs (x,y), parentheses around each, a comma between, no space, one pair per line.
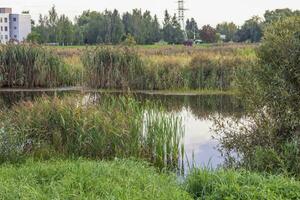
(270,89)
(84,179)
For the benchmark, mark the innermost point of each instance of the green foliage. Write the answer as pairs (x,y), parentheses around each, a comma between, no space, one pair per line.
(84,179)
(208,34)
(129,40)
(142,26)
(113,68)
(172,32)
(34,37)
(279,14)
(192,29)
(76,127)
(242,185)
(269,141)
(227,29)
(28,65)
(251,31)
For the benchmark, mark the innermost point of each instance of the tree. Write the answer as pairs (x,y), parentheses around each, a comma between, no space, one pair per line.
(65,31)
(278,14)
(270,141)
(251,31)
(34,37)
(208,34)
(227,29)
(142,26)
(172,32)
(192,29)
(167,28)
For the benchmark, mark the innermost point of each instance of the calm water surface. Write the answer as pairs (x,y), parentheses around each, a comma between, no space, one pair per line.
(197,114)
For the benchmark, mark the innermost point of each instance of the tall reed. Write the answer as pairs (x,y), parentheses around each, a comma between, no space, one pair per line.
(76,126)
(29,66)
(113,68)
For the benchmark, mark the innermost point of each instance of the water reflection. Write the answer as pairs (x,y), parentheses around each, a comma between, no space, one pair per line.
(196,112)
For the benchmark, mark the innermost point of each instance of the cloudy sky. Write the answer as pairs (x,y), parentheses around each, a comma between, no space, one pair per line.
(205,12)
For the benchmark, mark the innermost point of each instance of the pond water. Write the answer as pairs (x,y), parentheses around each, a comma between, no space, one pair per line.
(197,114)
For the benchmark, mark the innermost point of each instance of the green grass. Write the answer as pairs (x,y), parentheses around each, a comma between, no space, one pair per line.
(82,179)
(240,185)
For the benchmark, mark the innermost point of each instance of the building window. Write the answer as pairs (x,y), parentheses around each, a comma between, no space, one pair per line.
(15,28)
(1,28)
(1,20)
(15,36)
(5,28)
(1,37)
(6,37)
(14,19)
(5,20)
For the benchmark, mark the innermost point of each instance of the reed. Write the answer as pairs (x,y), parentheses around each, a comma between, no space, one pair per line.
(112,68)
(29,66)
(123,68)
(79,127)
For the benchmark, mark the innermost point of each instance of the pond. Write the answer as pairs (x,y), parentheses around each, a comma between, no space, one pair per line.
(197,113)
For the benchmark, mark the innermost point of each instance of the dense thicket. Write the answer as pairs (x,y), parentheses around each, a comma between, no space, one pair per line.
(269,140)
(111,27)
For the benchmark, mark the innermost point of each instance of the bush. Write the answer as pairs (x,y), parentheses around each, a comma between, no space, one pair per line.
(29,66)
(242,185)
(270,89)
(84,179)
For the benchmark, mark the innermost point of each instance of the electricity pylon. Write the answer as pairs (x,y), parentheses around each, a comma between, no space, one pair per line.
(181,16)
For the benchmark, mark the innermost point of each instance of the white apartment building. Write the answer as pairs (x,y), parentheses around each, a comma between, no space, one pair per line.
(13,27)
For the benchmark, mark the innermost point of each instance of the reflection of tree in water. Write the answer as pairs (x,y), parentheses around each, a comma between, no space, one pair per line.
(202,106)
(8,99)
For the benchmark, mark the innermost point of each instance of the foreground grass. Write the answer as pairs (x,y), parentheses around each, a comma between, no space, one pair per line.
(243,185)
(84,179)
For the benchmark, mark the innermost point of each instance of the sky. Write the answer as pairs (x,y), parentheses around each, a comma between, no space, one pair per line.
(205,12)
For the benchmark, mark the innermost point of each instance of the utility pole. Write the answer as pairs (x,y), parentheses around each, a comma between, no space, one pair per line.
(181,16)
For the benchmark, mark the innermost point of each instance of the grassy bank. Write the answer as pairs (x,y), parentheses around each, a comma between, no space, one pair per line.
(243,185)
(84,179)
(128,179)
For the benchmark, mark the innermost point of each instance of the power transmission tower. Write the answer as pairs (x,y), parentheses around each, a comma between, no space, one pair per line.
(181,16)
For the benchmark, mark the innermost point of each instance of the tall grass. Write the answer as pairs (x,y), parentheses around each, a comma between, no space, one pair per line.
(112,68)
(76,127)
(29,66)
(243,185)
(123,68)
(83,179)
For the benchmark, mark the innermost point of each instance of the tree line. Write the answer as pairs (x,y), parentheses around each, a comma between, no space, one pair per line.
(110,27)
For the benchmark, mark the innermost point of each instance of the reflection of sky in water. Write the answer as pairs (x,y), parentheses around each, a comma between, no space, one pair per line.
(200,147)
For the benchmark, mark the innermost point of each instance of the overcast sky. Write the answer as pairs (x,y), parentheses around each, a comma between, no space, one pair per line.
(205,12)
